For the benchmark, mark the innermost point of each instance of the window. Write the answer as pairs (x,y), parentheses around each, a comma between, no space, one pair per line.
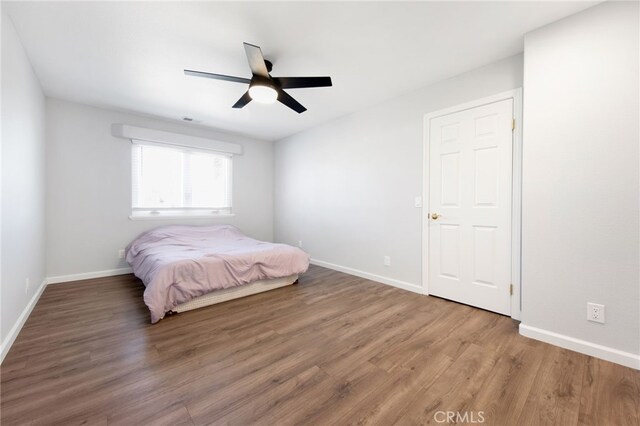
(178,181)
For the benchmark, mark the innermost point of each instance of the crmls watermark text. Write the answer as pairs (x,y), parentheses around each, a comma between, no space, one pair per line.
(459,417)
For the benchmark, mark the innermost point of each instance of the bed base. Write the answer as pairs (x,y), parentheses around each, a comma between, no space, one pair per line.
(227,294)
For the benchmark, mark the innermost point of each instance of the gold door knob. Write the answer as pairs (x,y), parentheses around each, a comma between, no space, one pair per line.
(435,216)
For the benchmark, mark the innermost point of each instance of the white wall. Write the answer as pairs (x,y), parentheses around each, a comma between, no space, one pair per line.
(89,187)
(347,188)
(581,235)
(23,181)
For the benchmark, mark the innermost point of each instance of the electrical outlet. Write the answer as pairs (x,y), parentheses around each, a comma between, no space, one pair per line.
(27,284)
(417,202)
(387,261)
(300,243)
(121,254)
(595,312)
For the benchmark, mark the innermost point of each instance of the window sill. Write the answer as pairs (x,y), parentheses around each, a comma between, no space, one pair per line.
(180,216)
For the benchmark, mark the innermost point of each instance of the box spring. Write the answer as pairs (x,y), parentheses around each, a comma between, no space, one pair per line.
(227,294)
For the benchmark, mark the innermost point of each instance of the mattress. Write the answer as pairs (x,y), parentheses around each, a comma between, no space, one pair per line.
(227,294)
(181,263)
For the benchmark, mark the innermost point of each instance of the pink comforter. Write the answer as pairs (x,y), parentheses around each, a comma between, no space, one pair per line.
(179,263)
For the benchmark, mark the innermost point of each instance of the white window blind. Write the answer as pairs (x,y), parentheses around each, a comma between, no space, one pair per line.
(175,180)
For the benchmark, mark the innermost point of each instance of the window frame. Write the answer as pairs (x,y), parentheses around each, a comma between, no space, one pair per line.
(160,213)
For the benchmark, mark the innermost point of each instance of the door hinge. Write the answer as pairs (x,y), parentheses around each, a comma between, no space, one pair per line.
(511,289)
(513,124)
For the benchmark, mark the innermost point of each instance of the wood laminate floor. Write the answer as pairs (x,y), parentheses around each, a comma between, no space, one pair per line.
(334,349)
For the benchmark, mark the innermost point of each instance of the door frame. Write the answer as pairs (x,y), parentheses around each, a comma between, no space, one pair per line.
(516,189)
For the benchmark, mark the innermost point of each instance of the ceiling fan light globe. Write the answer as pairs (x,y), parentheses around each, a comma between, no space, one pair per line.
(263,94)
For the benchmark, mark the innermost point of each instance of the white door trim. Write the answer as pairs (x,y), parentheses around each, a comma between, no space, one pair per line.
(516,209)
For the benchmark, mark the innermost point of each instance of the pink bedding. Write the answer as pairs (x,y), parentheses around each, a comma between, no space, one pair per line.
(179,263)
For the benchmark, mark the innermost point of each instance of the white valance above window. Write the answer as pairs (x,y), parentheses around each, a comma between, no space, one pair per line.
(168,138)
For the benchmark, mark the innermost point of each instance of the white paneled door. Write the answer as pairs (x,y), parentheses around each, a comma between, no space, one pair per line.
(470,179)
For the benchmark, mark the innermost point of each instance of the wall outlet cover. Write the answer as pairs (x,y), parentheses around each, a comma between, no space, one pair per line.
(121,254)
(387,261)
(595,313)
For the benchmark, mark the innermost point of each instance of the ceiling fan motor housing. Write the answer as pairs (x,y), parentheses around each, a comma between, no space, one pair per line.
(258,80)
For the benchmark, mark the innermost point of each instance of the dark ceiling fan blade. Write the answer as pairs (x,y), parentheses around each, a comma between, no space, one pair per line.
(302,82)
(245,99)
(286,99)
(217,76)
(256,60)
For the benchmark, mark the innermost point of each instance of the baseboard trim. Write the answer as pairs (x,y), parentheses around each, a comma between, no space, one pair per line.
(88,275)
(373,277)
(599,351)
(15,330)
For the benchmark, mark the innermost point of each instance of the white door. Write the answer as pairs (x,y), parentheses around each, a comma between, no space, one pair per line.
(470,179)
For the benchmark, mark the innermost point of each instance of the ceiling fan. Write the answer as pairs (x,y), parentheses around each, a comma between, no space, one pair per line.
(264,88)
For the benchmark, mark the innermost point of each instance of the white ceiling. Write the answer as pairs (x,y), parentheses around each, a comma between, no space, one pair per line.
(130,55)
